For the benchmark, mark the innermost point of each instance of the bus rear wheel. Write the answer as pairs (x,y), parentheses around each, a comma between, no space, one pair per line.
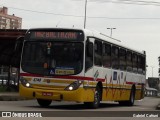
(44,103)
(97,97)
(130,102)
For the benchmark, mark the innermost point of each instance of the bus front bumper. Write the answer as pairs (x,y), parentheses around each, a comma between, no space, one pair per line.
(79,95)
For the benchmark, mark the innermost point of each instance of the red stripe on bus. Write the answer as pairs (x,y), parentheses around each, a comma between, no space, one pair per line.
(130,83)
(100,79)
(134,83)
(63,77)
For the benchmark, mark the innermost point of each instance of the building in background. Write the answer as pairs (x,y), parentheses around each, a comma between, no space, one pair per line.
(152,86)
(153,82)
(9,21)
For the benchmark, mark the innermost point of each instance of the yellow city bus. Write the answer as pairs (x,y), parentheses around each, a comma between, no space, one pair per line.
(80,65)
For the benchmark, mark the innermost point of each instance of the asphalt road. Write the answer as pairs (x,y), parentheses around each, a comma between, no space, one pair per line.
(147,104)
(71,109)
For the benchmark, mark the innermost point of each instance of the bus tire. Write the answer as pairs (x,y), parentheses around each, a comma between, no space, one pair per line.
(44,103)
(97,98)
(131,100)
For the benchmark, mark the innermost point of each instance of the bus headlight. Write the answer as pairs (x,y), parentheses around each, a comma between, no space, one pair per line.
(25,82)
(73,86)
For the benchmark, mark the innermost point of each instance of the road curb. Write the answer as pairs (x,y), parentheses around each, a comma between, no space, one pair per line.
(11,97)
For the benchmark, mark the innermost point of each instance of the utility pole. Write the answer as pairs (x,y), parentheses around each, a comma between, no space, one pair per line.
(152,70)
(111,31)
(85,14)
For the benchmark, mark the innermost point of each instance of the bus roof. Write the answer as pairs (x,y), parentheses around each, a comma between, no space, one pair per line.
(109,39)
(96,34)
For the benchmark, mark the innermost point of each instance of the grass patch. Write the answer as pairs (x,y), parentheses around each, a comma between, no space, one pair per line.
(3,88)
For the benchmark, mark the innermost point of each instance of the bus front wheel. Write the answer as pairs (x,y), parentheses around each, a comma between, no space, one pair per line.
(97,98)
(44,103)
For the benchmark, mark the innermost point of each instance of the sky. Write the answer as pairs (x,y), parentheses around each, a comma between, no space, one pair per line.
(137,22)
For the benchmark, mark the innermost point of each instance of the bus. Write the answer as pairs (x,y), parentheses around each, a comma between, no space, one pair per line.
(80,65)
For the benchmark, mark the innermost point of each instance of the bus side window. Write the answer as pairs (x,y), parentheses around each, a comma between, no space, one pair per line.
(129,61)
(98,53)
(122,59)
(106,55)
(140,64)
(144,65)
(135,62)
(89,55)
(115,57)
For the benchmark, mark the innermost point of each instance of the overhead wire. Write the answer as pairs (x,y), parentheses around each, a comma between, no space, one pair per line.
(97,17)
(43,12)
(135,2)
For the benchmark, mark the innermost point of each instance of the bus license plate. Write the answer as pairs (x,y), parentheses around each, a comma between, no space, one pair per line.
(47,94)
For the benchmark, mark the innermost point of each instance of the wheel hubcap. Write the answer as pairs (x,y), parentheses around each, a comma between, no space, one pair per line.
(96,98)
(132,98)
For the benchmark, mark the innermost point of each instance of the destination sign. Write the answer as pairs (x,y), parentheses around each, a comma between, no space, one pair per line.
(56,35)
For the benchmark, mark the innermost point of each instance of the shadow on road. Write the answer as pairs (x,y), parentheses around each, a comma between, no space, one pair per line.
(77,106)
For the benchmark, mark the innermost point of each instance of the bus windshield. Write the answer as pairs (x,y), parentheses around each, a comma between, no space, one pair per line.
(52,58)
